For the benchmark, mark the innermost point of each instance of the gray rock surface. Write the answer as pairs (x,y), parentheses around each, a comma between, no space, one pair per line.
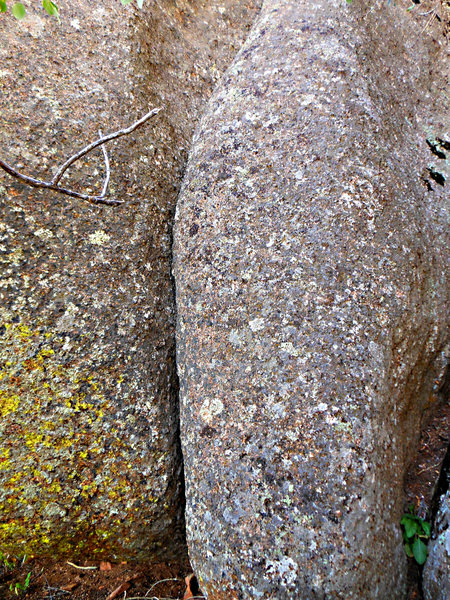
(311,301)
(436,573)
(89,453)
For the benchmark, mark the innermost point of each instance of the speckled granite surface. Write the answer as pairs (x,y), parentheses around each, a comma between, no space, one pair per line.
(311,297)
(89,457)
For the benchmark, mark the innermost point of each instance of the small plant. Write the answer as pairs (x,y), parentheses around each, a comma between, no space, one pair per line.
(5,563)
(20,588)
(18,9)
(416,532)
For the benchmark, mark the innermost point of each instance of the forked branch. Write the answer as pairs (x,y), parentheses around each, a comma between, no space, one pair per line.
(53,184)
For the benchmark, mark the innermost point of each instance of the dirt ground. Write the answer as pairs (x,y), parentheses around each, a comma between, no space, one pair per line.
(52,580)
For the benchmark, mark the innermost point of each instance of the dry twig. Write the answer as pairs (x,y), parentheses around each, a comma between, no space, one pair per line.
(160,598)
(53,184)
(80,567)
(159,582)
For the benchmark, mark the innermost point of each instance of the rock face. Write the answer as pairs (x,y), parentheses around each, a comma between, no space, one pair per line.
(89,453)
(436,574)
(310,276)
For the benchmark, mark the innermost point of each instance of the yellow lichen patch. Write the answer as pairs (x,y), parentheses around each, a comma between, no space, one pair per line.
(16,478)
(33,439)
(5,463)
(24,331)
(62,450)
(46,352)
(8,404)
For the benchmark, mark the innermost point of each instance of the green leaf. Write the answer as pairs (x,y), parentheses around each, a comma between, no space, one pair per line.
(410,524)
(426,527)
(27,580)
(349,1)
(420,551)
(126,1)
(140,3)
(3,7)
(18,10)
(51,9)
(408,550)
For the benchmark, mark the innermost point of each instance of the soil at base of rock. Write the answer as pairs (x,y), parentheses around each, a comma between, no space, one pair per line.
(54,580)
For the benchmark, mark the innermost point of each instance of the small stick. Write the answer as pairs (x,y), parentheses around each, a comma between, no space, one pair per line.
(38,183)
(48,588)
(53,184)
(80,567)
(107,169)
(161,581)
(429,468)
(159,598)
(102,140)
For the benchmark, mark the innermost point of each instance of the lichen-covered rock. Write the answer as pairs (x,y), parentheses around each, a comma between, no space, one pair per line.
(310,275)
(89,458)
(436,573)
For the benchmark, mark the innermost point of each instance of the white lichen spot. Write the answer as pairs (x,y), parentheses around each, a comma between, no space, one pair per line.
(257,324)
(272,120)
(318,582)
(285,569)
(210,409)
(44,234)
(67,344)
(321,407)
(235,338)
(251,117)
(271,242)
(289,348)
(75,23)
(70,319)
(349,200)
(99,238)
(307,99)
(33,25)
(299,175)
(292,435)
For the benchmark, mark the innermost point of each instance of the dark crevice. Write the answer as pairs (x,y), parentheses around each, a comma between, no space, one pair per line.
(424,480)
(444,143)
(434,148)
(436,176)
(179,53)
(442,485)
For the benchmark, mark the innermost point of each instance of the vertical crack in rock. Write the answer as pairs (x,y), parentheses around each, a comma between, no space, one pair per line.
(436,573)
(89,457)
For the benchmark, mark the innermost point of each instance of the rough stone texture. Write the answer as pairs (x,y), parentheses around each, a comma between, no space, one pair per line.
(436,574)
(89,458)
(311,302)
